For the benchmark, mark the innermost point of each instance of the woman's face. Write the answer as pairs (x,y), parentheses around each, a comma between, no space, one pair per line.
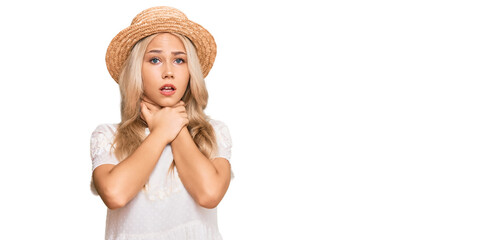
(164,70)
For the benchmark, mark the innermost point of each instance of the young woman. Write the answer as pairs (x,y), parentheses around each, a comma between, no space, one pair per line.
(165,167)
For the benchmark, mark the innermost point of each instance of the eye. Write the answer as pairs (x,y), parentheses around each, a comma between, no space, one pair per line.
(155,60)
(179,60)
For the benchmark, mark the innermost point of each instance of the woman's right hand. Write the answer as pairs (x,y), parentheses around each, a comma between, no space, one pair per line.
(167,121)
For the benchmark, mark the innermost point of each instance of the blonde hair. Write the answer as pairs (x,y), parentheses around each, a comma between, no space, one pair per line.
(131,130)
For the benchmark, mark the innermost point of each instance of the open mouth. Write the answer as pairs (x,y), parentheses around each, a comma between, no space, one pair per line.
(168,89)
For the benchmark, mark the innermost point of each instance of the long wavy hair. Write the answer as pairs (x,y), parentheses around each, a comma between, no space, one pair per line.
(131,130)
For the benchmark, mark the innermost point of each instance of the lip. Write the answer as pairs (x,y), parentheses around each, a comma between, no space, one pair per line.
(165,93)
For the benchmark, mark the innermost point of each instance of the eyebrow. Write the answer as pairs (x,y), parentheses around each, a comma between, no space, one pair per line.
(173,52)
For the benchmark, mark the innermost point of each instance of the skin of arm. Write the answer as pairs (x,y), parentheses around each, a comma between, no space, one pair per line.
(118,184)
(206,180)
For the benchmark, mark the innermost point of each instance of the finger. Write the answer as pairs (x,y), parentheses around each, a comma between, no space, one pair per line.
(146,99)
(145,112)
(151,106)
(181,109)
(144,104)
(178,104)
(141,115)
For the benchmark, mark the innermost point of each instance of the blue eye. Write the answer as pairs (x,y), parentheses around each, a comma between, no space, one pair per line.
(179,61)
(155,60)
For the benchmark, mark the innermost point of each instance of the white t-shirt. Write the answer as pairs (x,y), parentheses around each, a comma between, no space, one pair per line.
(165,210)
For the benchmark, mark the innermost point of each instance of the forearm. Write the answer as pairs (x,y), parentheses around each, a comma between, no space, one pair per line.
(205,180)
(127,178)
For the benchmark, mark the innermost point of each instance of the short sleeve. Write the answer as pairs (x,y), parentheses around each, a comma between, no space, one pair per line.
(101,143)
(224,141)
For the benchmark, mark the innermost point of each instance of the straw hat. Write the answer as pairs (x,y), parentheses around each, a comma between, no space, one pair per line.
(157,20)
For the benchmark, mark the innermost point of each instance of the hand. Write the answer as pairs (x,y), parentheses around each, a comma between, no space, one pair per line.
(167,121)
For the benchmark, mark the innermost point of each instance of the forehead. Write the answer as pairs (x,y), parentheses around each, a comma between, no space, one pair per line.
(166,41)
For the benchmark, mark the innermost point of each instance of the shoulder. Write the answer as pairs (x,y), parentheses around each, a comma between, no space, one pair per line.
(106,128)
(104,133)
(219,126)
(222,132)
(217,123)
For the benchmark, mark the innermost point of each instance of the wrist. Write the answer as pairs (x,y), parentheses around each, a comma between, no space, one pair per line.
(184,131)
(160,136)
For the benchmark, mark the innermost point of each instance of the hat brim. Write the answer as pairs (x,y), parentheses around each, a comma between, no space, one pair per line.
(121,45)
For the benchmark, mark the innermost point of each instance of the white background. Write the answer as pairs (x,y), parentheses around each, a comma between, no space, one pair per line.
(350,120)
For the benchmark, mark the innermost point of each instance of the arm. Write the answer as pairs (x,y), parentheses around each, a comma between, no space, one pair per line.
(206,180)
(118,184)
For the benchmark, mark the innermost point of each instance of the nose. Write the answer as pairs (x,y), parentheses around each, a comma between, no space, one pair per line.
(168,73)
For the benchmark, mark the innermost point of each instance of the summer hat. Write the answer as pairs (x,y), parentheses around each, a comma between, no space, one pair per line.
(157,20)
